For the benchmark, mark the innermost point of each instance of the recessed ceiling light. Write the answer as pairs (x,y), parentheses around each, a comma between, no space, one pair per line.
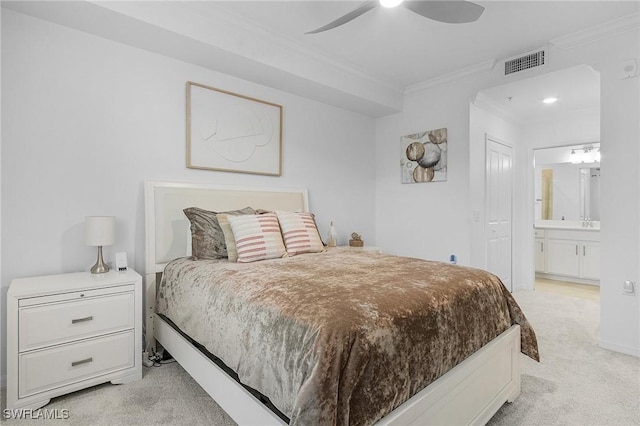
(549,100)
(390,3)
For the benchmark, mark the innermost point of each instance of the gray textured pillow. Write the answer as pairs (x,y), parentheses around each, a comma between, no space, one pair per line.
(207,238)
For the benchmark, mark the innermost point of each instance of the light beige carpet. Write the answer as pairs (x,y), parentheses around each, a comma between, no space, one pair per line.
(576,383)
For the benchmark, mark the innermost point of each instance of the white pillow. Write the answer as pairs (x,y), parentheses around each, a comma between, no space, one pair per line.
(300,233)
(257,237)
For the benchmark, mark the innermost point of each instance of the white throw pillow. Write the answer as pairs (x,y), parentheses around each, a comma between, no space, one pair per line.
(300,233)
(257,237)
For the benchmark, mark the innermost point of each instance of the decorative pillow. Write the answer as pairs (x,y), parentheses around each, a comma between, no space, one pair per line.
(229,238)
(207,239)
(300,233)
(257,237)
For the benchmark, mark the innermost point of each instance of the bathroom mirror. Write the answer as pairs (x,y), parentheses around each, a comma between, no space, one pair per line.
(567,182)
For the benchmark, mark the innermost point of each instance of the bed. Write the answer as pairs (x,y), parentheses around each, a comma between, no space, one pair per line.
(327,324)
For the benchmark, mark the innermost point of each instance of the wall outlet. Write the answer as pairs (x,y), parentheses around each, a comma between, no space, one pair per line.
(453,259)
(629,288)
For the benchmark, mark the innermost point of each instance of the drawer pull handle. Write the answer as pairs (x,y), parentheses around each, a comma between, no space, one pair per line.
(82,361)
(77,320)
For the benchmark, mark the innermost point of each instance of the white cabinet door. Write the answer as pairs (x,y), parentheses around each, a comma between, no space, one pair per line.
(563,257)
(590,260)
(540,255)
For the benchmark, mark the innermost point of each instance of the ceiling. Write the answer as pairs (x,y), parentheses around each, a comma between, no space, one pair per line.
(577,90)
(366,65)
(402,48)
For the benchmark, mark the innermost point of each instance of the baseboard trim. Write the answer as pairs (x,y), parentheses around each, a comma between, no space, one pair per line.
(546,276)
(627,350)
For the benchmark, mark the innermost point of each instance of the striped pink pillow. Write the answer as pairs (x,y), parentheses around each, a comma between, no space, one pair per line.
(300,233)
(257,237)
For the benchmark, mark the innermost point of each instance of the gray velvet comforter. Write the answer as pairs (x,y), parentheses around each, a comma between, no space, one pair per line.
(342,337)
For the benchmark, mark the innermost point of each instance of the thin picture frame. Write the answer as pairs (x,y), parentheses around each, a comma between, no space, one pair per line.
(231,132)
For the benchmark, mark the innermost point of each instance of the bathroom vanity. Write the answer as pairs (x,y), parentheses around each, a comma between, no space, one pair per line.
(568,251)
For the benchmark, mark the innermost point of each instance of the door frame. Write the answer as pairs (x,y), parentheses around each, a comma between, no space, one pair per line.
(530,215)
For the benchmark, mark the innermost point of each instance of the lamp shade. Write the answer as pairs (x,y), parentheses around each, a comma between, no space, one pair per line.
(99,230)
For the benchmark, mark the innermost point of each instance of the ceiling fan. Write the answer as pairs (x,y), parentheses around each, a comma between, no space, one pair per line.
(448,11)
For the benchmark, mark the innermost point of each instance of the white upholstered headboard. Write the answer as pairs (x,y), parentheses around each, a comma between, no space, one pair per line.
(167,229)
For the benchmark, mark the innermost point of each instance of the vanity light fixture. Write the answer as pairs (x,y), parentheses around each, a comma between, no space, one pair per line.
(586,154)
(575,158)
(587,157)
(549,100)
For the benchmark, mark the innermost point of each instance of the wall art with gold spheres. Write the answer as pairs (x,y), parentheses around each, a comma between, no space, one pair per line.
(424,156)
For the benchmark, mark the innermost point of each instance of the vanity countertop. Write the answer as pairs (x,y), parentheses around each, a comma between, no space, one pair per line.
(567,224)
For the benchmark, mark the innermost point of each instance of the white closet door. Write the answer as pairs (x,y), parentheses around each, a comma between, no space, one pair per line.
(499,210)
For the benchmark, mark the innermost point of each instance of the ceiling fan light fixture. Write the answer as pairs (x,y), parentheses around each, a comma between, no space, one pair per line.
(390,3)
(452,12)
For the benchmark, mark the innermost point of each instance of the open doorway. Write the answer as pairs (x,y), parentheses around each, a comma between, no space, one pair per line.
(537,124)
(567,218)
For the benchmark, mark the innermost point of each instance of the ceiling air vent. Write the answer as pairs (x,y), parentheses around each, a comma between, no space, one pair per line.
(525,62)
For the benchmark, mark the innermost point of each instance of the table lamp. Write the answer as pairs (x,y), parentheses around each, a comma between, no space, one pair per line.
(99,231)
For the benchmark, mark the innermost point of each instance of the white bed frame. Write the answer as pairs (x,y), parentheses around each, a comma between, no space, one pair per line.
(471,393)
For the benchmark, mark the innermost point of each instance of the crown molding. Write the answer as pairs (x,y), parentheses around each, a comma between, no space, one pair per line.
(183,31)
(598,32)
(449,77)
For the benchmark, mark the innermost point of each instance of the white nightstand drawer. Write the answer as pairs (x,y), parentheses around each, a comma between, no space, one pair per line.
(62,365)
(55,323)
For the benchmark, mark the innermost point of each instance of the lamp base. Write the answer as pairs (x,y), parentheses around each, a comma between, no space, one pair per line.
(100,267)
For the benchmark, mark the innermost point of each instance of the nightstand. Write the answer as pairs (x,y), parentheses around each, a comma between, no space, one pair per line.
(373,249)
(366,248)
(71,331)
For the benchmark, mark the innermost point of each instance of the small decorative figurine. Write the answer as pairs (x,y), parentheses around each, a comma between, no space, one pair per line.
(356,240)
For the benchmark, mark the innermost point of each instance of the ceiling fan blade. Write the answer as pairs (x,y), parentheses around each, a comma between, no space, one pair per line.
(363,8)
(450,12)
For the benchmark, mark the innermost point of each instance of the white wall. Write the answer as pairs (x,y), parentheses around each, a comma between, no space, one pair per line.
(426,220)
(87,120)
(620,200)
(433,220)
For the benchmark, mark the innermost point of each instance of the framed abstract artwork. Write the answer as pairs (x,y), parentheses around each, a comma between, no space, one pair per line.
(231,132)
(423,156)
